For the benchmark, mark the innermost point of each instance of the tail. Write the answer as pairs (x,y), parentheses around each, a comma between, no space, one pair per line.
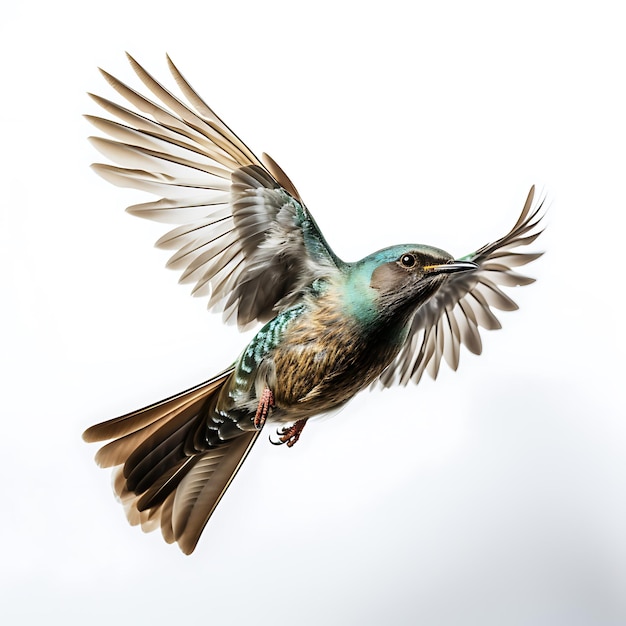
(166,475)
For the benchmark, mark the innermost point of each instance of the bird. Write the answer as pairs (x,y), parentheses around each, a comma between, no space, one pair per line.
(328,328)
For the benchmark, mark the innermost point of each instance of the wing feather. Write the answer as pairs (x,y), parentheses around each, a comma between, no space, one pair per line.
(244,237)
(452,316)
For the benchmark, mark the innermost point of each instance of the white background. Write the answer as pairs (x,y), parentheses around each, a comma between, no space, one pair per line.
(493,496)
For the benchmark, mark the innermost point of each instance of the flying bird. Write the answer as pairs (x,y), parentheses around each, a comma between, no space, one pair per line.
(246,240)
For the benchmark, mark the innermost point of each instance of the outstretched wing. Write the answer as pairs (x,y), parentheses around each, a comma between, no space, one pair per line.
(453,315)
(246,239)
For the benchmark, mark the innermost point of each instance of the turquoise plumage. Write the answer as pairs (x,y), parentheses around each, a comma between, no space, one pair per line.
(247,241)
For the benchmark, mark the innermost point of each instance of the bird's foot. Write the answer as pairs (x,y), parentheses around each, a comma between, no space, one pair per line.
(266,403)
(289,434)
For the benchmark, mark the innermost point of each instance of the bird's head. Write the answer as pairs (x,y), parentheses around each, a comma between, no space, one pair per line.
(401,278)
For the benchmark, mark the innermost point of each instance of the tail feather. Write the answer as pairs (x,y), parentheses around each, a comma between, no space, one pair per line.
(134,421)
(162,477)
(162,450)
(117,451)
(166,484)
(203,486)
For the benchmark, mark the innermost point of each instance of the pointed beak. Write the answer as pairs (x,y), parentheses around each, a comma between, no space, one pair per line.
(454,267)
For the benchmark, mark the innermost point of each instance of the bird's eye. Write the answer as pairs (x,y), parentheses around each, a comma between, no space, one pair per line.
(407,260)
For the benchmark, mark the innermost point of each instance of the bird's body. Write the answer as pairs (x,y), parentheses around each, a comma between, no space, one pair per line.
(318,354)
(331,328)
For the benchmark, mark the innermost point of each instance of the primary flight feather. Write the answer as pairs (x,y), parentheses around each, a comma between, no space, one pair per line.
(247,242)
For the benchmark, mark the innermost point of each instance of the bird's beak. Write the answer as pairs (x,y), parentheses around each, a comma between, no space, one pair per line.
(450,268)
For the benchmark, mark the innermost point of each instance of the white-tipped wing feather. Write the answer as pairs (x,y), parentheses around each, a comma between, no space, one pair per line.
(246,239)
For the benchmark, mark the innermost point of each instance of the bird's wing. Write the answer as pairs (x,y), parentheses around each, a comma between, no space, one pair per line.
(464,303)
(245,237)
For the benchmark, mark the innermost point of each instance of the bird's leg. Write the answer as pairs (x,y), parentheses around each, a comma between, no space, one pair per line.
(289,434)
(266,402)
